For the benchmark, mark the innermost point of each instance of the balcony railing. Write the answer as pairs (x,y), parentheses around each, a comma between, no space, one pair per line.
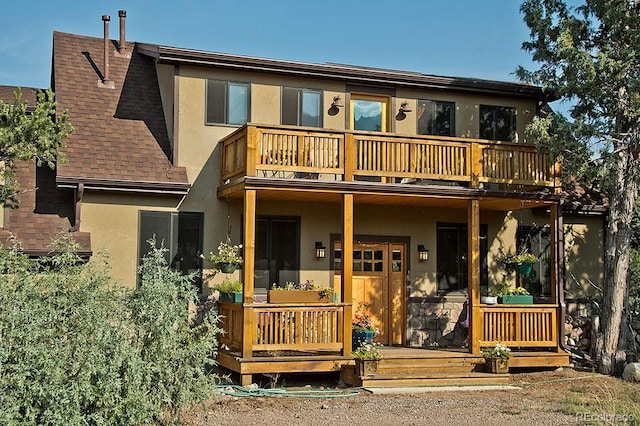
(277,151)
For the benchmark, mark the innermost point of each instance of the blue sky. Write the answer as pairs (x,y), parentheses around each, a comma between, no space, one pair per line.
(466,38)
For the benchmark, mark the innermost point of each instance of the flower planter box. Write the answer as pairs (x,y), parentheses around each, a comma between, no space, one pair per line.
(496,365)
(367,367)
(359,338)
(298,296)
(235,297)
(517,299)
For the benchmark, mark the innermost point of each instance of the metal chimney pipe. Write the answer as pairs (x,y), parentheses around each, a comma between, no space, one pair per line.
(106,19)
(122,46)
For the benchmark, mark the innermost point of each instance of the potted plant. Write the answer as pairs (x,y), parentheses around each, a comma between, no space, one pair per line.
(230,291)
(489,295)
(227,258)
(362,328)
(496,358)
(524,262)
(304,292)
(367,357)
(517,296)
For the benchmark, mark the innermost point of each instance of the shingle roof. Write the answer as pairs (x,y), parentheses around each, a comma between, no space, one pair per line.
(120,135)
(29,94)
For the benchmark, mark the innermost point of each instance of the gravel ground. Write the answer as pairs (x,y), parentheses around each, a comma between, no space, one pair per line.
(540,400)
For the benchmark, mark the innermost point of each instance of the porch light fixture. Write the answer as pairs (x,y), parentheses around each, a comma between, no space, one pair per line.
(405,108)
(423,253)
(337,102)
(321,250)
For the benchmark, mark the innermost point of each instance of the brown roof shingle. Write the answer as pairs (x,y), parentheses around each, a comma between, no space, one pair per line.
(120,134)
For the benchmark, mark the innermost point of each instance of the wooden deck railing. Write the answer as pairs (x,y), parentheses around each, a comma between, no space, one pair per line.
(308,327)
(520,326)
(284,151)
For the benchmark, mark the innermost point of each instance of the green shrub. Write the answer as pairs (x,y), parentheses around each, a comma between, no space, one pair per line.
(77,349)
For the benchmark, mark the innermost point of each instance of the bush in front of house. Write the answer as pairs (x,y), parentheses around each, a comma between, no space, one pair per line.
(75,348)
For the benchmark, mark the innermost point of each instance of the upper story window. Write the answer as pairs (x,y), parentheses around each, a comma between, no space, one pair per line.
(227,102)
(436,118)
(369,112)
(497,123)
(301,107)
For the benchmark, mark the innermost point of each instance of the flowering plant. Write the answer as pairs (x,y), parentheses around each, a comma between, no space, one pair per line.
(368,351)
(498,351)
(307,285)
(524,257)
(227,253)
(363,319)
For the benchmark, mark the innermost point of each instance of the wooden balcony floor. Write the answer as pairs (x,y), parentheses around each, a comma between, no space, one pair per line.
(399,366)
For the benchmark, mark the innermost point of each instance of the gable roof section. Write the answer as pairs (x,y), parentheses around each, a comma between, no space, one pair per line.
(120,139)
(44,209)
(341,72)
(29,94)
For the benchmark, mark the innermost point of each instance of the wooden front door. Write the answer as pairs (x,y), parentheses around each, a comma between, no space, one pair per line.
(379,273)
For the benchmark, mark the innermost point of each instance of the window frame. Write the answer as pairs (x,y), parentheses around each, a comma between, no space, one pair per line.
(462,236)
(226,103)
(436,103)
(173,221)
(385,113)
(300,105)
(494,109)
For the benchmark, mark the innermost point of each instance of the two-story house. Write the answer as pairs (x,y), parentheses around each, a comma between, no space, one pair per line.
(399,189)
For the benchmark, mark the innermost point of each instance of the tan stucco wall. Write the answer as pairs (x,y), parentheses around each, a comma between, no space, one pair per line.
(584,249)
(112,220)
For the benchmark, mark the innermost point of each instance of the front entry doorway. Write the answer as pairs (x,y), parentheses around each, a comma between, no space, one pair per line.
(379,271)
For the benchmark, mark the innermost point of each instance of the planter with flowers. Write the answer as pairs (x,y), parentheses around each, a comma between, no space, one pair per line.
(230,291)
(367,357)
(517,296)
(496,358)
(227,258)
(362,328)
(304,292)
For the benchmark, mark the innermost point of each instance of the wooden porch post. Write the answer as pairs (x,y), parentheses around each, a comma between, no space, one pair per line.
(249,245)
(347,270)
(473,264)
(554,254)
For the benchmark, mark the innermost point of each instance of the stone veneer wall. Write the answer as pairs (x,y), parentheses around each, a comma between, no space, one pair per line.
(437,322)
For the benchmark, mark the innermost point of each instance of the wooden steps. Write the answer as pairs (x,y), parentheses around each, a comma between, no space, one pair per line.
(399,366)
(430,379)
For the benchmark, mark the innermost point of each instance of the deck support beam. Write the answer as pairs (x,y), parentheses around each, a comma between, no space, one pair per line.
(249,246)
(473,265)
(347,271)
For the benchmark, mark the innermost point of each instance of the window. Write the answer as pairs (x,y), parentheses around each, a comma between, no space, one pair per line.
(180,233)
(497,123)
(369,112)
(436,118)
(301,107)
(227,102)
(452,257)
(536,240)
(277,251)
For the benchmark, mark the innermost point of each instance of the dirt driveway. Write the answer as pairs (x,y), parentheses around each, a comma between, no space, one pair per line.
(549,398)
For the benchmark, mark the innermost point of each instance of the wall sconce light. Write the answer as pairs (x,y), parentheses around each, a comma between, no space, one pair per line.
(404,107)
(337,102)
(423,253)
(321,250)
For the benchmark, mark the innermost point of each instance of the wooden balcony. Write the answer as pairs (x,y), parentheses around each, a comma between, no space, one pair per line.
(278,151)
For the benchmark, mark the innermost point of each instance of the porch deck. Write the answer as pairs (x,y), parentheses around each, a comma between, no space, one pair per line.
(399,366)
